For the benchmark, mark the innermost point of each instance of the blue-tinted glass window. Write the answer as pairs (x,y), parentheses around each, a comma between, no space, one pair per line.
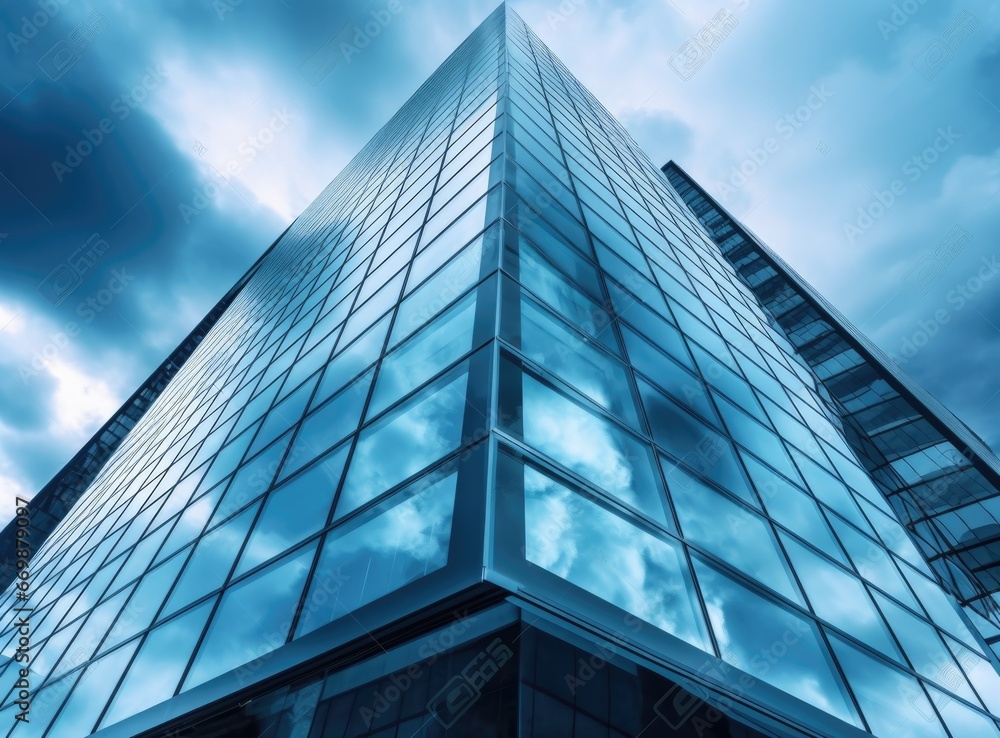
(402,539)
(592,447)
(253,618)
(294,511)
(575,538)
(419,432)
(747,626)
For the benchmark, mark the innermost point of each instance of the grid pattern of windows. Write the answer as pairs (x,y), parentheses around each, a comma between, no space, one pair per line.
(939,480)
(314,443)
(499,320)
(663,449)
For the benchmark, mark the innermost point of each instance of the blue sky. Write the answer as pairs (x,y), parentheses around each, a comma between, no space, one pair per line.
(149,154)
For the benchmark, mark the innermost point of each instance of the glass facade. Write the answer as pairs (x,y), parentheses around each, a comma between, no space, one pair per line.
(941,480)
(495,441)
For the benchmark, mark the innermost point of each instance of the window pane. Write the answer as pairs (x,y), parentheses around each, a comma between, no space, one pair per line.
(873,563)
(592,447)
(582,542)
(758,439)
(92,691)
(461,271)
(681,384)
(693,442)
(893,702)
(648,323)
(925,649)
(414,435)
(328,425)
(148,597)
(962,720)
(731,532)
(750,628)
(839,598)
(547,341)
(251,481)
(253,618)
(294,511)
(532,259)
(793,508)
(404,538)
(156,671)
(830,490)
(346,365)
(425,355)
(209,565)
(551,287)
(93,631)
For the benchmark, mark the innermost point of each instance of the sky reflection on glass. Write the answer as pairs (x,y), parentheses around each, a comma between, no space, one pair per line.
(586,544)
(406,539)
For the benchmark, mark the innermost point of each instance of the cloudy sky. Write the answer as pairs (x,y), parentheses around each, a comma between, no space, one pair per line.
(149,155)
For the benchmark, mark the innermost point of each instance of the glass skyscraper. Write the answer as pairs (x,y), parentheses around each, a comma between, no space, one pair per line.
(495,441)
